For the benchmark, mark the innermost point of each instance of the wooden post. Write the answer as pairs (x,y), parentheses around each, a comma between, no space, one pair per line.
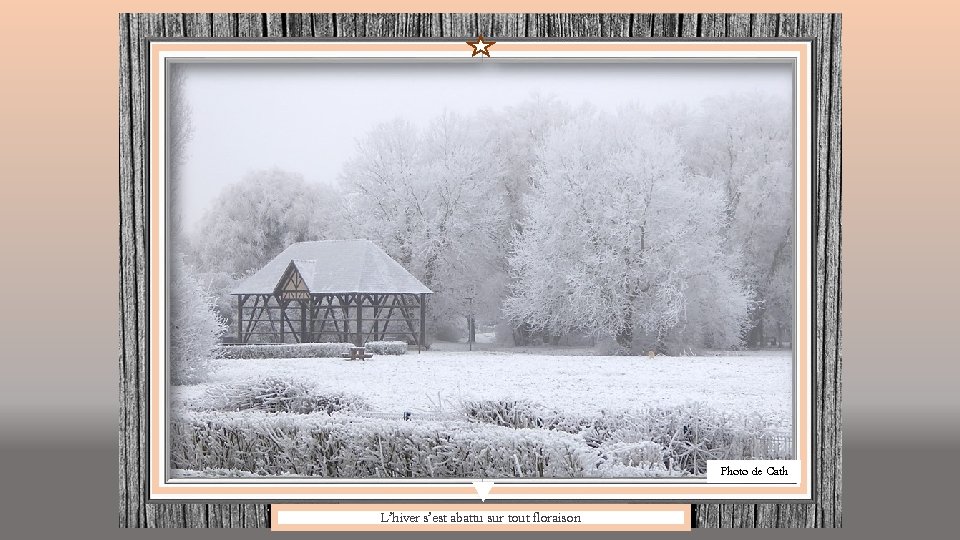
(375,332)
(303,321)
(283,315)
(345,308)
(313,316)
(359,320)
(241,299)
(423,323)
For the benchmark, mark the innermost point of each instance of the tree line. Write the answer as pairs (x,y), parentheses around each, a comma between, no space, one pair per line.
(666,228)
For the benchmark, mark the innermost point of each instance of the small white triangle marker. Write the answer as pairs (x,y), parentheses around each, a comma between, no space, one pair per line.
(483,488)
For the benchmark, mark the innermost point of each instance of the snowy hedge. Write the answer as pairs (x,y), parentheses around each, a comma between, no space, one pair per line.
(690,434)
(343,447)
(274,394)
(386,347)
(284,350)
(671,440)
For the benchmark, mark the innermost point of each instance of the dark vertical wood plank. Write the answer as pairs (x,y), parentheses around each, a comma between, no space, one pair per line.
(767,516)
(198,25)
(815,24)
(150,25)
(274,24)
(251,25)
(713,25)
(379,24)
(738,25)
(615,25)
(136,515)
(582,25)
(788,25)
(298,24)
(763,24)
(409,25)
(820,26)
(346,25)
(689,24)
(497,25)
(830,436)
(537,25)
(225,25)
(459,25)
(324,25)
(744,516)
(641,25)
(666,25)
(173,25)
(835,298)
(706,516)
(128,330)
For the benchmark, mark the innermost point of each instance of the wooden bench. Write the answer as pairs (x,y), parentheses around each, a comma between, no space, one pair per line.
(357,353)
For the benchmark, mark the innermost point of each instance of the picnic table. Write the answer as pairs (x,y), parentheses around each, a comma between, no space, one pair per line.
(357,353)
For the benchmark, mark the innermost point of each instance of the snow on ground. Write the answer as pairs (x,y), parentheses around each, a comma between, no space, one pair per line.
(429,381)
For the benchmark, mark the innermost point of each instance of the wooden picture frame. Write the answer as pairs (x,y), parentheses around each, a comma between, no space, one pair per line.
(137,29)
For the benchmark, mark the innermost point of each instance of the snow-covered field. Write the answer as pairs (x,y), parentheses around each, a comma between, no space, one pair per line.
(435,381)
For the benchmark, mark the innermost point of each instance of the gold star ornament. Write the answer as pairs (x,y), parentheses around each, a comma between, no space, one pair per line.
(481,46)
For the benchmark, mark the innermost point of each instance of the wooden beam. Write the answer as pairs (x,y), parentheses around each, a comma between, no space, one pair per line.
(283,315)
(303,321)
(345,308)
(423,322)
(241,299)
(359,321)
(375,330)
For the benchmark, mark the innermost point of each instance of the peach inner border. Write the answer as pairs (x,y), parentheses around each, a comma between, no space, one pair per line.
(275,509)
(801,49)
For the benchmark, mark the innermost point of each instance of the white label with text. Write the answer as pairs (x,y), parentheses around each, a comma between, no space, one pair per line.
(753,471)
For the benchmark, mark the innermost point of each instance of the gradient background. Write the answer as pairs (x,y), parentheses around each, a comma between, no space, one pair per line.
(59,252)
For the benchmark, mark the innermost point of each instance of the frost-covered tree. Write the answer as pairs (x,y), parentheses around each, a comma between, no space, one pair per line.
(620,237)
(219,285)
(518,131)
(428,197)
(195,326)
(253,220)
(745,142)
(180,131)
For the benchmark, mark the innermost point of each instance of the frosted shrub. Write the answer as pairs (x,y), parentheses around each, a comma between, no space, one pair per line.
(509,413)
(215,473)
(283,350)
(674,440)
(348,447)
(195,327)
(277,395)
(524,414)
(386,347)
(690,434)
(220,285)
(646,454)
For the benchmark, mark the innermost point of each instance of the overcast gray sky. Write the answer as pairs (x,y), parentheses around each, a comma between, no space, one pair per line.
(306,117)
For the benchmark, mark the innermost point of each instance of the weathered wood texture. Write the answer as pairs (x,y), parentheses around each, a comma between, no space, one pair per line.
(826,512)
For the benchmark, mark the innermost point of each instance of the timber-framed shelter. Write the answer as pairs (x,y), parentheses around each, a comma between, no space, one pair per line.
(331,290)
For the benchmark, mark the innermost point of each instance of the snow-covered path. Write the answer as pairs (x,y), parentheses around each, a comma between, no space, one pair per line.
(584,384)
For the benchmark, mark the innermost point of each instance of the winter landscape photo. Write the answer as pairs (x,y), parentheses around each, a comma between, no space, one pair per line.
(493,269)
